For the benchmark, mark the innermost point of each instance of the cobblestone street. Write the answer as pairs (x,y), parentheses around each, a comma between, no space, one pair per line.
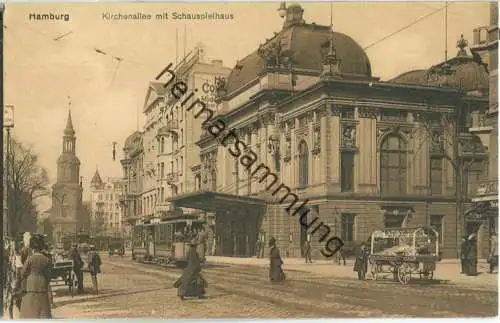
(139,290)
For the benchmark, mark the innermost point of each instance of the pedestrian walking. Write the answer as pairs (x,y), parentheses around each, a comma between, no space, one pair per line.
(471,256)
(340,256)
(94,267)
(307,251)
(493,256)
(36,273)
(463,249)
(258,244)
(46,253)
(361,263)
(191,283)
(77,267)
(202,243)
(276,273)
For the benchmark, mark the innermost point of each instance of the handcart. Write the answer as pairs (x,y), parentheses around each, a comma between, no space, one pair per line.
(62,275)
(404,253)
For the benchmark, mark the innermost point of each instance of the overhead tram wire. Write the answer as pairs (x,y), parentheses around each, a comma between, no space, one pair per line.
(60,38)
(406,27)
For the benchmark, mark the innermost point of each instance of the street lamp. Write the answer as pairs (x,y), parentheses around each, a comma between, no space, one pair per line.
(8,118)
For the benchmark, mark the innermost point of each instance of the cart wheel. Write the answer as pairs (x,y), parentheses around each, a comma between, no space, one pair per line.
(427,275)
(404,273)
(374,269)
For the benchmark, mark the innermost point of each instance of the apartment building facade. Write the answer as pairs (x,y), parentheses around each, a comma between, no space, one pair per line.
(106,214)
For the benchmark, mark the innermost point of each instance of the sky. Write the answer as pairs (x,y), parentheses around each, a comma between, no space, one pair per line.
(40,73)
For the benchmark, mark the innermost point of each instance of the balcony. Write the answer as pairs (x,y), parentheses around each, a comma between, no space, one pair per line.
(487,191)
(481,123)
(172,178)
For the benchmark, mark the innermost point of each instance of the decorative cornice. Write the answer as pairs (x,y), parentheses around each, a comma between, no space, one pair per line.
(369,113)
(321,112)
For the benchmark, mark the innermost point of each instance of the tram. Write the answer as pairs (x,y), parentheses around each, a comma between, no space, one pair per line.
(165,242)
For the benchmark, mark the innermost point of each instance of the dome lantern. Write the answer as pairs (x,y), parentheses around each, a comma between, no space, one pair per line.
(294,15)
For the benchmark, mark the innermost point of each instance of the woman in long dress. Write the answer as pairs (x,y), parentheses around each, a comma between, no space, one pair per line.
(191,283)
(36,275)
(276,273)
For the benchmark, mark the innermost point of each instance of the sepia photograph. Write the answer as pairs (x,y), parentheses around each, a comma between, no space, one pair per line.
(265,160)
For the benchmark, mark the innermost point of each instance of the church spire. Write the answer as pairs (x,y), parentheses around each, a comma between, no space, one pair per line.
(69,131)
(69,138)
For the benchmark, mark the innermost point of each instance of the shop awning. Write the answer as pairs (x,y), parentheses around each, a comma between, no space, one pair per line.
(215,201)
(480,211)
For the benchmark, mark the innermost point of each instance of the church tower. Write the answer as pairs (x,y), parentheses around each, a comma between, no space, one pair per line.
(67,192)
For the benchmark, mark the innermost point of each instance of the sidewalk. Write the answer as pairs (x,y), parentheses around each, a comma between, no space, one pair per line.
(447,270)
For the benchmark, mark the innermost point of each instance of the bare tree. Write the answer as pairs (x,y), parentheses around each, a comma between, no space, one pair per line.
(27,182)
(448,137)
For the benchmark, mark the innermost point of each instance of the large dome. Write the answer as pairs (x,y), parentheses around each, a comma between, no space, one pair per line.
(303,44)
(464,71)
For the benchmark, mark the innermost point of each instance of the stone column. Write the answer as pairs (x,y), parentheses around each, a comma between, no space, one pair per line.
(255,148)
(333,155)
(367,157)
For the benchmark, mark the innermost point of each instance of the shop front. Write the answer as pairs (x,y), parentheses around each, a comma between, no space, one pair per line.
(482,219)
(237,220)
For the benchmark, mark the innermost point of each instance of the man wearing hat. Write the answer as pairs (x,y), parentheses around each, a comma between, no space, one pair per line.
(77,266)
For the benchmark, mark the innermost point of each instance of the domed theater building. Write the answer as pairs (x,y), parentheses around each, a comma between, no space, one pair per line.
(307,133)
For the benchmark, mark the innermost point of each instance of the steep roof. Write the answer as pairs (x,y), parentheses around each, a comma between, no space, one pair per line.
(96,180)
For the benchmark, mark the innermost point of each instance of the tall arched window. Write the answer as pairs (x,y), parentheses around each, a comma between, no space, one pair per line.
(393,166)
(303,164)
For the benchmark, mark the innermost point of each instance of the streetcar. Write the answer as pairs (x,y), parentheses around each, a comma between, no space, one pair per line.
(165,242)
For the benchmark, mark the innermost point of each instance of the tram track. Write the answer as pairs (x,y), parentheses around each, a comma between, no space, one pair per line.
(344,300)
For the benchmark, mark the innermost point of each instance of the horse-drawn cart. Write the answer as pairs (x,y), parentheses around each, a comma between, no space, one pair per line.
(404,253)
(62,275)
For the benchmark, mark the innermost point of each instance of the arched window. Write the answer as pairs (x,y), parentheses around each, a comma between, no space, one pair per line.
(393,166)
(303,165)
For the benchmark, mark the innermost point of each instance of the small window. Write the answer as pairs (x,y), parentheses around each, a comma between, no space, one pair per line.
(437,224)
(347,171)
(348,227)
(436,176)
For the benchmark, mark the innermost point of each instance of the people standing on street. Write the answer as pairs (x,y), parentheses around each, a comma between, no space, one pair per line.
(202,243)
(257,248)
(94,262)
(36,274)
(340,256)
(191,283)
(77,267)
(361,264)
(471,256)
(307,251)
(493,257)
(463,249)
(276,273)
(46,253)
